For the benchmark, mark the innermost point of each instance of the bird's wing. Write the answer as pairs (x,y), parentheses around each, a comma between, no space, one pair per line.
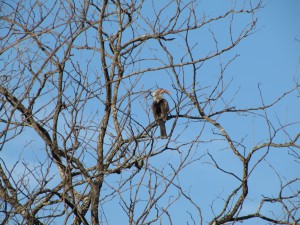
(164,109)
(156,110)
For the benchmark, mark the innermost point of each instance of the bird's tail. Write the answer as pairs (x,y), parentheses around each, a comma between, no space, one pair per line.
(162,126)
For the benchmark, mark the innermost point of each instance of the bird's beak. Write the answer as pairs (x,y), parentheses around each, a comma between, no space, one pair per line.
(165,91)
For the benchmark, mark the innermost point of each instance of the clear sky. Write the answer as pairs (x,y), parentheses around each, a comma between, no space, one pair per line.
(270,58)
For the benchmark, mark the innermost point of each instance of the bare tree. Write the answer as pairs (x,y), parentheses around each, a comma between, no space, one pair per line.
(76,79)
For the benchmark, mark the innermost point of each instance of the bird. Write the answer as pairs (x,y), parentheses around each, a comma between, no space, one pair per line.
(160,110)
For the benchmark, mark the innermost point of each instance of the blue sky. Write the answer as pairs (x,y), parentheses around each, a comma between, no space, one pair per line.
(270,58)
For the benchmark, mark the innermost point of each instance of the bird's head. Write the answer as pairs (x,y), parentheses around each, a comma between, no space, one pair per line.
(158,94)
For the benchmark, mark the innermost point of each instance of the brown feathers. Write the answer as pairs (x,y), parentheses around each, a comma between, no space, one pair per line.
(160,109)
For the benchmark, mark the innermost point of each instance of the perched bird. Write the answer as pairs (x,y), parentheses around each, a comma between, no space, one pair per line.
(160,109)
